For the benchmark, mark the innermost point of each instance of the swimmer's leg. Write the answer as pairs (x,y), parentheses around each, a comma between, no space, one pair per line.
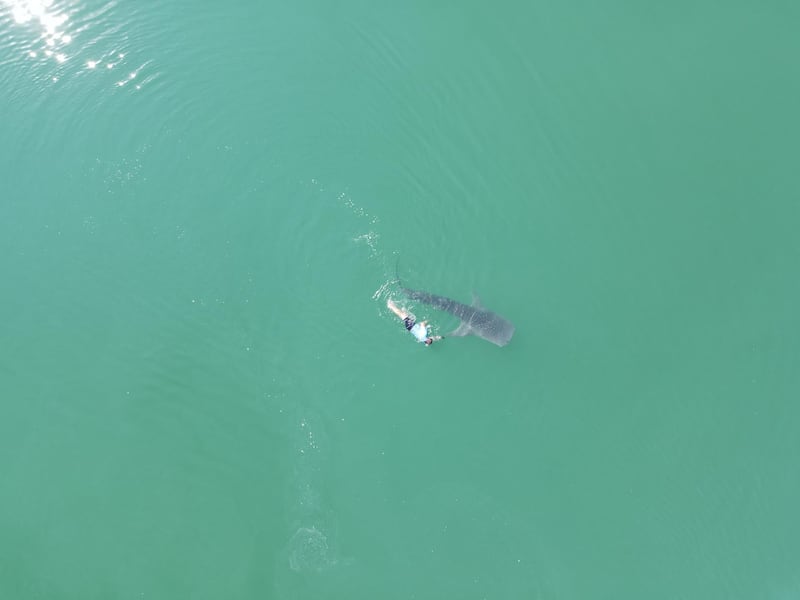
(396,310)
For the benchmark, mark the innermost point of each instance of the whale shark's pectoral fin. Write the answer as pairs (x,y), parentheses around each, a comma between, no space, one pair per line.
(461,330)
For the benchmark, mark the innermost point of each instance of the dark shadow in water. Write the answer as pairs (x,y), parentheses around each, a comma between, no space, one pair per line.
(310,562)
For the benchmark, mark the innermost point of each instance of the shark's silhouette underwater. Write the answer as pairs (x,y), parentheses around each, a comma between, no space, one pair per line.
(475,319)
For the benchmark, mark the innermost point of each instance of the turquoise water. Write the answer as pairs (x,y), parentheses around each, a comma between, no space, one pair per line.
(203,395)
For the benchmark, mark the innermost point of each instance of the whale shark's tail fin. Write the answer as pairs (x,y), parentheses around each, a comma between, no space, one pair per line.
(397,273)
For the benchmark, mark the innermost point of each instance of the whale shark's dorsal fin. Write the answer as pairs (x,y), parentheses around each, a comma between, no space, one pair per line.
(476,302)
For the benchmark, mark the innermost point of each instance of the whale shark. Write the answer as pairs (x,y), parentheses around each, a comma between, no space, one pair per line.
(475,319)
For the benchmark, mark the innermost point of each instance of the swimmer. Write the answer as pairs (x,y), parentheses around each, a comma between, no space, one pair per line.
(418,330)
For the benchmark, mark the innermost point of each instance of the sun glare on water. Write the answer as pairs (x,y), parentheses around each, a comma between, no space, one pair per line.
(50,23)
(47,20)
(24,11)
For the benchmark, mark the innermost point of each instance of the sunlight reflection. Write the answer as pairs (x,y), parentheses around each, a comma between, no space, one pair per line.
(47,23)
(25,11)
(130,77)
(49,19)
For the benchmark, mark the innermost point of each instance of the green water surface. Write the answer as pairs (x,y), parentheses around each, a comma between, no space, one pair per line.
(203,395)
